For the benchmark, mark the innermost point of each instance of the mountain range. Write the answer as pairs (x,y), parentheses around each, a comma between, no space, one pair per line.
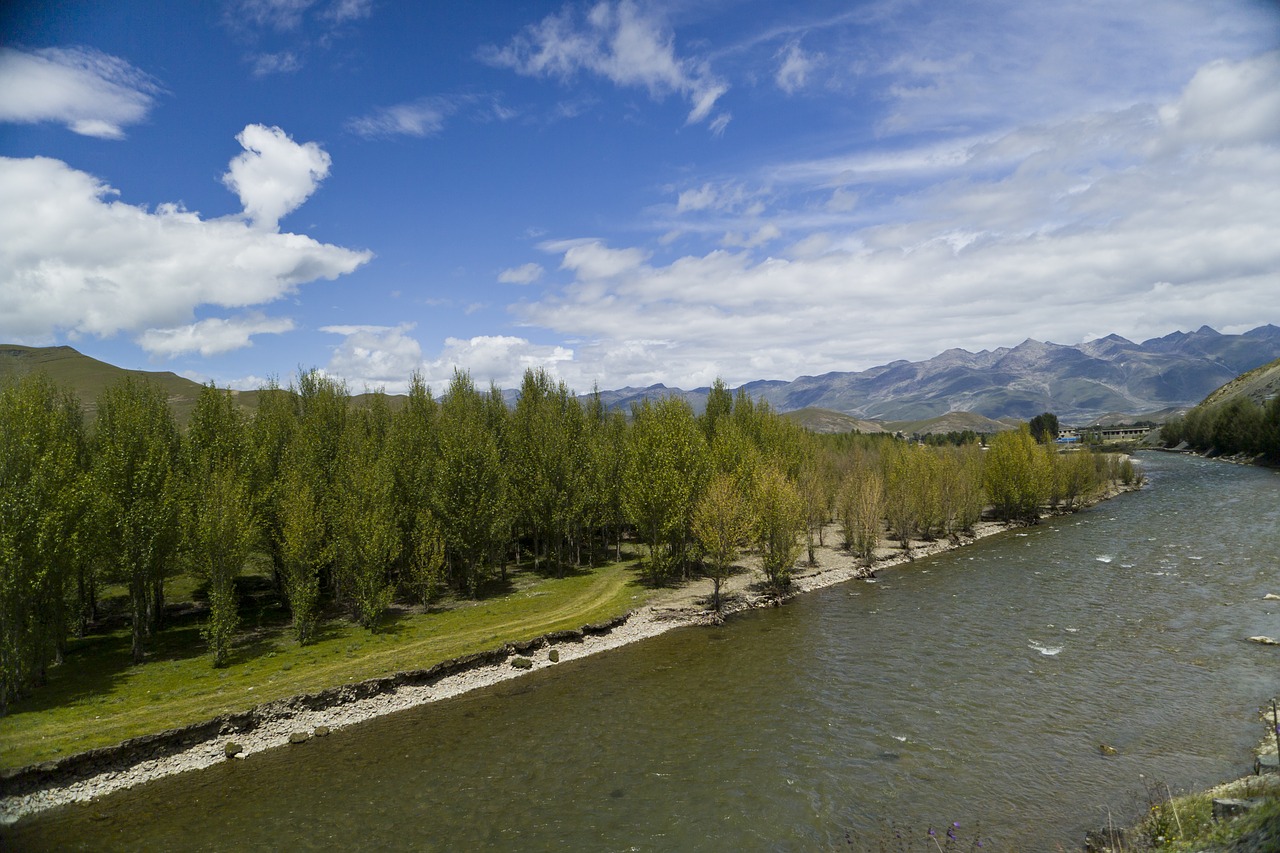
(1080,383)
(1105,379)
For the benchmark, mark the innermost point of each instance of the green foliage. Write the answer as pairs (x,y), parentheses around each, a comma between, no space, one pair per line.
(223,527)
(469,491)
(1016,475)
(137,496)
(1044,427)
(861,506)
(42,509)
(779,520)
(667,461)
(368,538)
(1236,426)
(721,522)
(304,551)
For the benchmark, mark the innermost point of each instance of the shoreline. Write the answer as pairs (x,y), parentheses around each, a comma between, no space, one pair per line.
(87,776)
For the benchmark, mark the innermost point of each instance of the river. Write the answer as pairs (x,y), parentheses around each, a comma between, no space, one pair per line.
(975,687)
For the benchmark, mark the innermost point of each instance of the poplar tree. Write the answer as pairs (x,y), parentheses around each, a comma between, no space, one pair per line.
(223,529)
(779,518)
(861,509)
(137,491)
(666,465)
(42,458)
(469,487)
(367,537)
(721,522)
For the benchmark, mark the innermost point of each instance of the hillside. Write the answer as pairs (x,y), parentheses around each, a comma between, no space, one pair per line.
(87,377)
(950,422)
(827,421)
(1259,385)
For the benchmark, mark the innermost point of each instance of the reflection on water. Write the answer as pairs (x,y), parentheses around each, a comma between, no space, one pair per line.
(974,687)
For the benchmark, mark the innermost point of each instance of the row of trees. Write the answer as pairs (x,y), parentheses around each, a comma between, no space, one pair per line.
(1238,426)
(355,502)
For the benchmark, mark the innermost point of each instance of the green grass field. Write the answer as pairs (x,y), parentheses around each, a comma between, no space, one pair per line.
(97,697)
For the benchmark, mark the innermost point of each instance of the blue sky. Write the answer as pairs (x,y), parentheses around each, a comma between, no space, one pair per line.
(629,192)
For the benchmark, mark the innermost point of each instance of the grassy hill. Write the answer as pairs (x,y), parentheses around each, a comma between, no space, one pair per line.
(87,377)
(1259,385)
(951,422)
(828,421)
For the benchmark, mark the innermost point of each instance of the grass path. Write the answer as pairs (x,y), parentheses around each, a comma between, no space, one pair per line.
(97,697)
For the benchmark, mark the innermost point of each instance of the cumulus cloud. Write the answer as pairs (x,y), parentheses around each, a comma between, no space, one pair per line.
(90,92)
(423,117)
(274,175)
(1139,220)
(76,260)
(524,274)
(375,356)
(501,359)
(1229,102)
(212,336)
(618,42)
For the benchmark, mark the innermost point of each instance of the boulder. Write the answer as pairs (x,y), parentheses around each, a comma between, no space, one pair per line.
(553,656)
(299,737)
(1265,641)
(232,749)
(522,662)
(322,731)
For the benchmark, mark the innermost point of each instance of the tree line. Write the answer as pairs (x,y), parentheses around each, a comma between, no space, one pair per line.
(354,504)
(1237,426)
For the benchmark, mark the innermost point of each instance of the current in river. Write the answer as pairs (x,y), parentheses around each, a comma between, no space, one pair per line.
(973,688)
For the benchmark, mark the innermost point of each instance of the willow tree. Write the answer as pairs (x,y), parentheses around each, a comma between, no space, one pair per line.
(137,495)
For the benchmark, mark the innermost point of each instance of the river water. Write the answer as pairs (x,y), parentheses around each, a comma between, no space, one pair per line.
(975,687)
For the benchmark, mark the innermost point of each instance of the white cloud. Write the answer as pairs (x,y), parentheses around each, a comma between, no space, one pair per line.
(342,11)
(795,67)
(375,356)
(502,359)
(274,175)
(423,117)
(699,198)
(212,336)
(280,15)
(1139,220)
(766,233)
(593,260)
(1236,102)
(90,92)
(524,274)
(618,42)
(284,62)
(75,260)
